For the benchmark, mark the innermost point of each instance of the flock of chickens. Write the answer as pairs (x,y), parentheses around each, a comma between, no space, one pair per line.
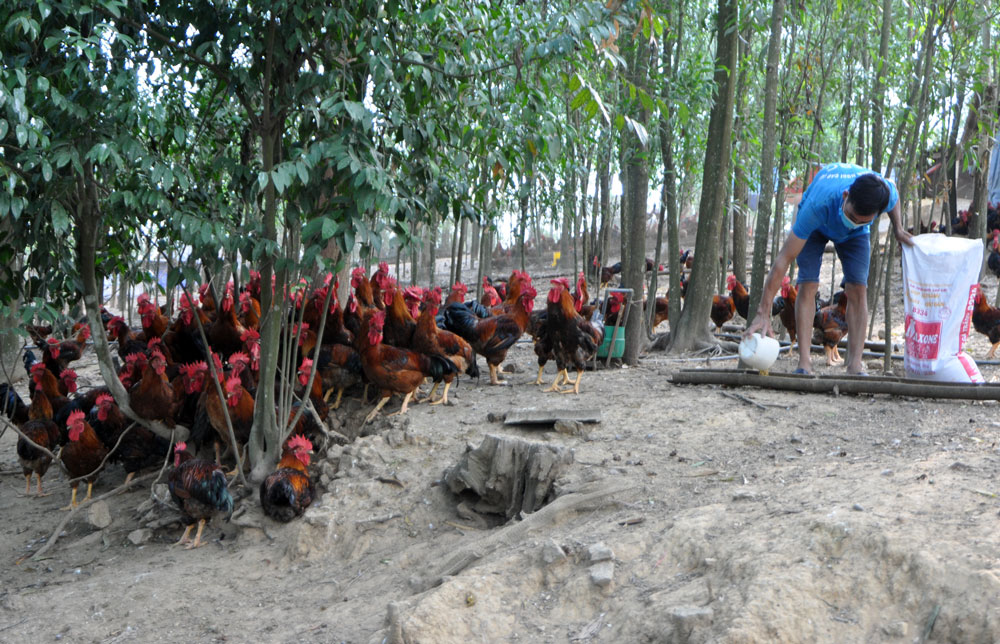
(200,370)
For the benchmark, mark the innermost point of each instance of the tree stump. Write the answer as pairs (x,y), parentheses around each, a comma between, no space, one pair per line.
(508,475)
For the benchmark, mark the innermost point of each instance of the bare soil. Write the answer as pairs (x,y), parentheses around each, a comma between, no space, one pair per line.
(816,518)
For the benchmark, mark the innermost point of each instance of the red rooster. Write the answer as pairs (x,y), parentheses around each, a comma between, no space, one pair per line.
(154,323)
(199,489)
(490,297)
(395,370)
(830,324)
(57,355)
(288,491)
(787,314)
(741,298)
(430,340)
(492,337)
(41,429)
(152,397)
(723,310)
(82,455)
(572,339)
(986,320)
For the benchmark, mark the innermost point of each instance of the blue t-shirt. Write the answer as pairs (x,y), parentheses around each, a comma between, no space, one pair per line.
(823,203)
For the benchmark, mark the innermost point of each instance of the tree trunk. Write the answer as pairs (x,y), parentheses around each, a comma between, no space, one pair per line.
(432,243)
(768,145)
(634,224)
(692,326)
(878,93)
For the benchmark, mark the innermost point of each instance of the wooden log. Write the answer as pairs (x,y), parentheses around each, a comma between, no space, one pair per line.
(844,384)
(550,416)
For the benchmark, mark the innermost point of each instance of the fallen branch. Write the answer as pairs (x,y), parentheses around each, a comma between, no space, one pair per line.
(62,524)
(591,496)
(843,384)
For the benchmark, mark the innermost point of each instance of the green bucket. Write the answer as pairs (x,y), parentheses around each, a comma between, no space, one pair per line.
(619,349)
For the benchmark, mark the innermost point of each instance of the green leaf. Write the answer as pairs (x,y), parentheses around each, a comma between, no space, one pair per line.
(356,110)
(60,218)
(330,228)
(22,78)
(42,83)
(16,206)
(3,128)
(179,134)
(22,134)
(46,171)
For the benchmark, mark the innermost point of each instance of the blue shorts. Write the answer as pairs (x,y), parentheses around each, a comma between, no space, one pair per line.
(854,254)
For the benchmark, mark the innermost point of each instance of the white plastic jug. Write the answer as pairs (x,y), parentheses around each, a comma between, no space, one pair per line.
(759,352)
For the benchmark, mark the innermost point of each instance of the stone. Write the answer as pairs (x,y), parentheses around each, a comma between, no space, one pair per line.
(687,618)
(569,427)
(599,552)
(602,574)
(99,515)
(552,553)
(895,629)
(140,536)
(746,495)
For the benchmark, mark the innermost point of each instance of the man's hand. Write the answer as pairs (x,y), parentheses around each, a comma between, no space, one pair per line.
(761,324)
(902,236)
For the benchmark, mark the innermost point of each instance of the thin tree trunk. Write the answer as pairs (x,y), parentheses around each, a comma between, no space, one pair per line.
(768,145)
(691,329)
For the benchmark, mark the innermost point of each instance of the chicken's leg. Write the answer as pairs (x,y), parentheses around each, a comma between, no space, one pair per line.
(90,489)
(27,483)
(576,384)
(375,411)
(186,536)
(40,493)
(538,380)
(340,394)
(562,376)
(429,396)
(197,537)
(402,410)
(443,400)
(128,479)
(72,501)
(993,350)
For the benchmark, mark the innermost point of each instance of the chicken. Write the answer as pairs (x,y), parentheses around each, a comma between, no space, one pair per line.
(741,298)
(12,405)
(607,272)
(830,324)
(135,450)
(490,297)
(249,311)
(334,330)
(83,456)
(399,324)
(54,388)
(129,341)
(517,283)
(787,314)
(57,355)
(339,368)
(183,338)
(154,323)
(239,404)
(723,310)
(225,333)
(412,297)
(615,303)
(457,294)
(40,429)
(572,340)
(395,370)
(687,259)
(993,261)
(379,282)
(199,489)
(492,337)
(288,490)
(152,398)
(430,340)
(986,320)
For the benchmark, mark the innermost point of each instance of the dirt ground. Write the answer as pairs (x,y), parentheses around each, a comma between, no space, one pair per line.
(804,518)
